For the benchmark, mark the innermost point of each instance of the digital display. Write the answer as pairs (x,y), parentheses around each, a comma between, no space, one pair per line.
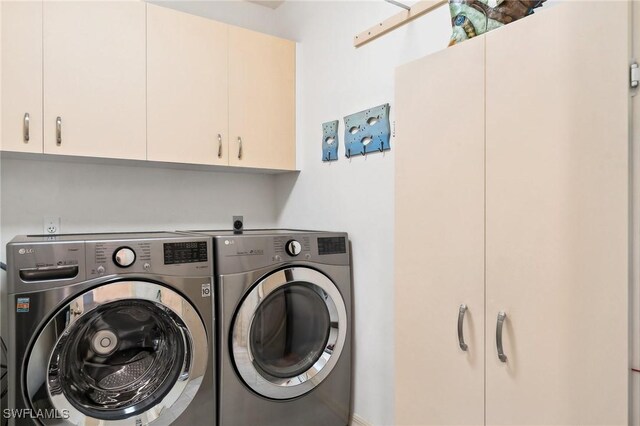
(189,252)
(332,245)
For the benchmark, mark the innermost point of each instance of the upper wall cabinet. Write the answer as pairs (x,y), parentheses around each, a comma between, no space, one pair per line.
(130,80)
(261,100)
(94,79)
(21,76)
(187,88)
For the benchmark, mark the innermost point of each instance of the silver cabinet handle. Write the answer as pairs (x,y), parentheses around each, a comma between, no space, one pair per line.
(219,145)
(461,312)
(239,148)
(25,128)
(501,317)
(58,131)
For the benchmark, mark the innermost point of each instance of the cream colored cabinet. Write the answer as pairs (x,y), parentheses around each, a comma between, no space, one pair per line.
(439,200)
(131,80)
(517,172)
(557,240)
(261,100)
(94,79)
(21,76)
(187,88)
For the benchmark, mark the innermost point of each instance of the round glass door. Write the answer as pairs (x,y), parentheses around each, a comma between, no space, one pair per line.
(119,354)
(288,330)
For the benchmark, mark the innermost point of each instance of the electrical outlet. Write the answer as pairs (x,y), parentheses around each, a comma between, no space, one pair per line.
(51,225)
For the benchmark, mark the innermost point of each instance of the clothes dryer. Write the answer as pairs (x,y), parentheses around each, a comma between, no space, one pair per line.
(284,326)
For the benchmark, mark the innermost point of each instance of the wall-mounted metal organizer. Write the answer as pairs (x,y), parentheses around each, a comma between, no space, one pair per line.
(367,131)
(330,141)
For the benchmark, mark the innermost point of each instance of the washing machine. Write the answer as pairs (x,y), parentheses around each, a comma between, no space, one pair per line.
(110,329)
(284,326)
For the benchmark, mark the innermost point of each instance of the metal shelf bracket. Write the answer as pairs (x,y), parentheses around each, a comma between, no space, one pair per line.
(418,9)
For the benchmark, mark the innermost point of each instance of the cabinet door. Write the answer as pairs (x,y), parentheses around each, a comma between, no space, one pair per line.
(94,78)
(187,88)
(261,100)
(22,76)
(557,217)
(439,237)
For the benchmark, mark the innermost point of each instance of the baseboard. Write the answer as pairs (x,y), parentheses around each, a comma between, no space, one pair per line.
(356,420)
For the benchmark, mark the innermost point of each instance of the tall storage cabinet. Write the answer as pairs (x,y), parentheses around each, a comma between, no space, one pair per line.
(557,216)
(549,166)
(440,237)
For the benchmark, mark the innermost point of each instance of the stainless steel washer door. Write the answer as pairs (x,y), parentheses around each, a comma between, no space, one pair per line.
(288,333)
(124,353)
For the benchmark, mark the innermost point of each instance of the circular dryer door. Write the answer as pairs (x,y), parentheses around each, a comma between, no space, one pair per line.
(124,353)
(288,332)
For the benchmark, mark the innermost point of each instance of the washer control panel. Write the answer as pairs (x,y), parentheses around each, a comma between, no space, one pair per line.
(185,252)
(152,256)
(293,248)
(124,257)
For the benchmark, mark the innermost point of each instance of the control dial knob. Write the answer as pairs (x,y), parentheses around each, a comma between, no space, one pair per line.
(293,248)
(124,257)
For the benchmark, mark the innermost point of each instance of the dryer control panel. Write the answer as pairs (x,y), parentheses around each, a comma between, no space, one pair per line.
(292,246)
(243,252)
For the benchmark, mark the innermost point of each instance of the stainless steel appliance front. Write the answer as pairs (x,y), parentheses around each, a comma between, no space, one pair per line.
(284,327)
(289,332)
(116,344)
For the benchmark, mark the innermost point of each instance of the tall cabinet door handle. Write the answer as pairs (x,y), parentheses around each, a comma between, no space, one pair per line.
(219,145)
(239,148)
(25,127)
(501,317)
(461,312)
(58,131)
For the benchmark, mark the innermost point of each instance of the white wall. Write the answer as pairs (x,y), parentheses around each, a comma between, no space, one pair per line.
(335,80)
(108,197)
(234,12)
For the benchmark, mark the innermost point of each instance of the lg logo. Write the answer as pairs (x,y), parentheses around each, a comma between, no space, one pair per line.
(26,251)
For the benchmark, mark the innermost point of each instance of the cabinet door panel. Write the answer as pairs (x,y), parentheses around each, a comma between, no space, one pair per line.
(187,88)
(21,75)
(557,216)
(261,100)
(439,237)
(94,78)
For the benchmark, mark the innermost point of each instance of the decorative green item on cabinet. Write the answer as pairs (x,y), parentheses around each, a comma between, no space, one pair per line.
(470,18)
